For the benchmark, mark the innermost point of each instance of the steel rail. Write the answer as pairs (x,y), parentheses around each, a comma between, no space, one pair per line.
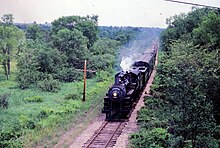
(99,131)
(106,122)
(113,135)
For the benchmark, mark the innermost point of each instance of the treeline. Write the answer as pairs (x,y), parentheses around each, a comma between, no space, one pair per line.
(183,110)
(46,56)
(127,34)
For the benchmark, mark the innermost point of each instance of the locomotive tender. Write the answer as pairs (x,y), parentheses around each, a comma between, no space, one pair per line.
(128,86)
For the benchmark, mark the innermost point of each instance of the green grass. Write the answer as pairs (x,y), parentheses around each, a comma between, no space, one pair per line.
(27,123)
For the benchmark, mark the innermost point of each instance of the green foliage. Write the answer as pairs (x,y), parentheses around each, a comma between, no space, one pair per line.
(186,88)
(181,27)
(103,56)
(102,62)
(21,120)
(26,123)
(69,75)
(7,19)
(34,32)
(122,34)
(185,92)
(72,96)
(34,99)
(153,119)
(121,38)
(86,25)
(207,34)
(27,70)
(45,112)
(105,46)
(43,65)
(4,101)
(103,76)
(11,38)
(89,30)
(9,135)
(73,44)
(155,138)
(49,84)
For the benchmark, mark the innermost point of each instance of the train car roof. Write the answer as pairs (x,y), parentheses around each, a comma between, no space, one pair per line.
(146,57)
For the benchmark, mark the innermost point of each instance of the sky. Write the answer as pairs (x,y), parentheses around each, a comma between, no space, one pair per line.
(136,13)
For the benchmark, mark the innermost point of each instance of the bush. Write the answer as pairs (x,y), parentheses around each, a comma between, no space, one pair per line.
(157,137)
(45,112)
(9,135)
(26,122)
(102,76)
(34,99)
(69,75)
(4,101)
(27,69)
(72,96)
(49,84)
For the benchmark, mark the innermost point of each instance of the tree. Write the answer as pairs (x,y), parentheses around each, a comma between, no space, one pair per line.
(36,65)
(89,30)
(208,31)
(7,19)
(72,43)
(86,25)
(34,32)
(181,27)
(10,38)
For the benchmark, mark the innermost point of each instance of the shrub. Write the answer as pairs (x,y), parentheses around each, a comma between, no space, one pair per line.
(69,75)
(49,84)
(4,101)
(34,99)
(102,76)
(9,135)
(45,112)
(157,137)
(26,122)
(72,96)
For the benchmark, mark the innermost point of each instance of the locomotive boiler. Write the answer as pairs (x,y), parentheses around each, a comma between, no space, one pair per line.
(128,85)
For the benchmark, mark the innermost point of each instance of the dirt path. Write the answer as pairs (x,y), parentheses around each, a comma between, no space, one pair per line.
(80,127)
(86,134)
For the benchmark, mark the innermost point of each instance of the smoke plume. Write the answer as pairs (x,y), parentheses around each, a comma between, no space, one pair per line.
(132,51)
(126,63)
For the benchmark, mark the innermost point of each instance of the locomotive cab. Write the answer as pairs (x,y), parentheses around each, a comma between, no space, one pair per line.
(122,78)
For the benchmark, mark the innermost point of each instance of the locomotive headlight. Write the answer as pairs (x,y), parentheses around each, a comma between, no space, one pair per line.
(115,94)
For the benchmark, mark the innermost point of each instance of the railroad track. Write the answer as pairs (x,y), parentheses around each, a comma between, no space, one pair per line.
(106,135)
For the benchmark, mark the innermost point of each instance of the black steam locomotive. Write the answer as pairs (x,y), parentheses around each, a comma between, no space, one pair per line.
(128,86)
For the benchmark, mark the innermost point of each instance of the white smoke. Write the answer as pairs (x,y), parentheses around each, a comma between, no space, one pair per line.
(131,52)
(126,63)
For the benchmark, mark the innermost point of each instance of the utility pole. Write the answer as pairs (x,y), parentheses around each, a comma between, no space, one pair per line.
(84,88)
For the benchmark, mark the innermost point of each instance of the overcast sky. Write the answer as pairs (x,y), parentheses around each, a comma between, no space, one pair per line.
(145,13)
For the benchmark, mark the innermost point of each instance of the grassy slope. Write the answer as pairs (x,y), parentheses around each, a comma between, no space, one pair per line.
(48,115)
